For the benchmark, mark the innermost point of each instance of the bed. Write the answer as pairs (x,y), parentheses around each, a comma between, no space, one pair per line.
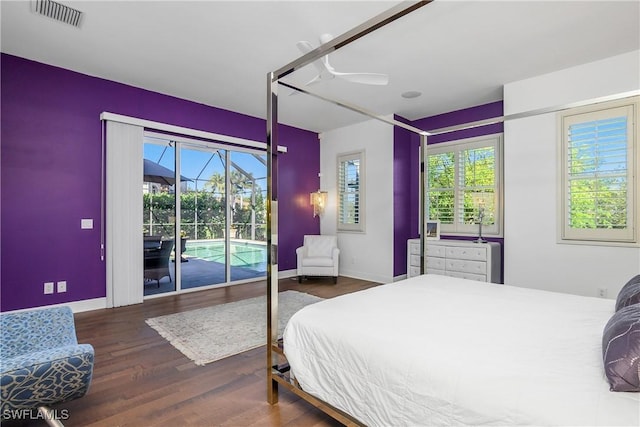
(437,350)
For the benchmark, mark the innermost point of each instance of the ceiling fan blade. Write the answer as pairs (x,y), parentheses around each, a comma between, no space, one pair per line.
(363,78)
(306,47)
(325,69)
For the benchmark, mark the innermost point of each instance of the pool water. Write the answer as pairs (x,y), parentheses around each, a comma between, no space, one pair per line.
(242,254)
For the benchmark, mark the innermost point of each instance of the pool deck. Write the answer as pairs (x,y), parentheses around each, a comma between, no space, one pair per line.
(199,272)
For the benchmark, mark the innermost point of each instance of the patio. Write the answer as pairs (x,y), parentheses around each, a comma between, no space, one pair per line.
(199,272)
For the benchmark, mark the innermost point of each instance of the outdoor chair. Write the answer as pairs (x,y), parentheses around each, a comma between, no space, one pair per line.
(41,361)
(156,262)
(318,256)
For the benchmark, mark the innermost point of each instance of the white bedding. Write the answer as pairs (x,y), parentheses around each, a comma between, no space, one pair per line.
(436,350)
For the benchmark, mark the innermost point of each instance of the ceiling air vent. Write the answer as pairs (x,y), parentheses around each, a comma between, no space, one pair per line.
(58,11)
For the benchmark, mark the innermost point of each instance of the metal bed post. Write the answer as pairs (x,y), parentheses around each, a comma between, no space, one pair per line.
(272,234)
(423,201)
(275,373)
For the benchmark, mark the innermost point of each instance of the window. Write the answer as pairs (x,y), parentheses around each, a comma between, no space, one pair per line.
(599,162)
(464,177)
(351,191)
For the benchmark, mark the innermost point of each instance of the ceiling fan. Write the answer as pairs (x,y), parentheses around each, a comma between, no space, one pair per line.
(326,71)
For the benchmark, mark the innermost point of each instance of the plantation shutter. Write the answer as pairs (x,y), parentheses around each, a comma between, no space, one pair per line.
(441,187)
(476,181)
(463,176)
(350,192)
(598,183)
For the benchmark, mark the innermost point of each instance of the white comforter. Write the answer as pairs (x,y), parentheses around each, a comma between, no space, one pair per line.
(436,350)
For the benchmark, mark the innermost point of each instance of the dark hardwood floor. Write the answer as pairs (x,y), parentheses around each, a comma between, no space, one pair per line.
(142,380)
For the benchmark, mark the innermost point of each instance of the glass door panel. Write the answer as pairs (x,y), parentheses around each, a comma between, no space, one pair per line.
(203,213)
(159,217)
(247,199)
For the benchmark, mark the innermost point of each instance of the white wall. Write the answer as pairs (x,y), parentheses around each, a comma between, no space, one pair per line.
(367,255)
(533,257)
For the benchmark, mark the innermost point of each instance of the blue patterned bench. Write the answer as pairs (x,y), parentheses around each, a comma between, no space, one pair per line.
(41,361)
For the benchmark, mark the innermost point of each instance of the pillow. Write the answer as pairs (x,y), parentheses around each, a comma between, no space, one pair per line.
(629,294)
(621,349)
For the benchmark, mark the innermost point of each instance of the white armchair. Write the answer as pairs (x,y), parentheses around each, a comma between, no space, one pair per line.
(318,257)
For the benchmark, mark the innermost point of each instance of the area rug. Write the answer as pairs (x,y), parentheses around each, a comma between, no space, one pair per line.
(213,333)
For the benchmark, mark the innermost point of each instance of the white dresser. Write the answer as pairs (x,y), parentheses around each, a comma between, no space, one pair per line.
(457,258)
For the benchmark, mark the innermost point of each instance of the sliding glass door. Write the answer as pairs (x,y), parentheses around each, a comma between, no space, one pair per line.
(248,194)
(203,219)
(214,219)
(159,216)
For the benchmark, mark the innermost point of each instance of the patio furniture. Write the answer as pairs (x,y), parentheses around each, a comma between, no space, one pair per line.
(156,262)
(152,242)
(41,361)
(318,256)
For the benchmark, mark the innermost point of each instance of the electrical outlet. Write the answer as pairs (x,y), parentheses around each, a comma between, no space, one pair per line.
(48,287)
(602,292)
(62,286)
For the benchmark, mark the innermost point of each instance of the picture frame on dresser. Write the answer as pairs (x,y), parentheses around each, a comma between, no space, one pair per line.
(432,228)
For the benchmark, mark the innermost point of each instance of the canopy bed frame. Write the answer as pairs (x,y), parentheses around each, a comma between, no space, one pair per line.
(277,366)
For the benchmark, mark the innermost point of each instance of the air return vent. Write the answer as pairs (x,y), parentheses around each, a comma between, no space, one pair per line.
(58,11)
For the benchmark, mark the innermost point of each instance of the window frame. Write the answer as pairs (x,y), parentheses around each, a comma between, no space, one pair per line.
(361,208)
(630,236)
(457,146)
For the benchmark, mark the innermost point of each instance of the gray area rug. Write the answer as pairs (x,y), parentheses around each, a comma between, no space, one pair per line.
(213,333)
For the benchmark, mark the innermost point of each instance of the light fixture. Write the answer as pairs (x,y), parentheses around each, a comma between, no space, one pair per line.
(318,200)
(478,201)
(411,94)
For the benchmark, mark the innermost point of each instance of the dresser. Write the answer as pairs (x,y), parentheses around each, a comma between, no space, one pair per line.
(457,258)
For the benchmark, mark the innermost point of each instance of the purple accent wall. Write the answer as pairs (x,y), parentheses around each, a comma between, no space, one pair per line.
(50,175)
(405,187)
(407,169)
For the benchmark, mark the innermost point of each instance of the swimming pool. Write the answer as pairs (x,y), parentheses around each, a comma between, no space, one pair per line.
(242,253)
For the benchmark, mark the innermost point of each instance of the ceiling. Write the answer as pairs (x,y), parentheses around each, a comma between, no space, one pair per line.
(457,53)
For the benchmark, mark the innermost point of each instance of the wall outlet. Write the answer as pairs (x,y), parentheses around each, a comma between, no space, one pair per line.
(48,287)
(602,292)
(62,286)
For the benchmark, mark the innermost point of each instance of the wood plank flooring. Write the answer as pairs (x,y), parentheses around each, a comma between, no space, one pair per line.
(142,380)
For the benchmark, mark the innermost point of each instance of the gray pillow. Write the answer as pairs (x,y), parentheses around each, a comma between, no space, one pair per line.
(621,349)
(629,294)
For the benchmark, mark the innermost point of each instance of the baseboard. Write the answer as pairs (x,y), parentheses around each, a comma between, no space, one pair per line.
(365,276)
(76,306)
(400,277)
(285,274)
(88,305)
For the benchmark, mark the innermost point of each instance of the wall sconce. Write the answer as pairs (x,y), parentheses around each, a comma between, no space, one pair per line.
(318,200)
(478,201)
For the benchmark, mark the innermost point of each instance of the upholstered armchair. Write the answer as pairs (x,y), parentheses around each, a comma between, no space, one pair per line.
(41,361)
(318,257)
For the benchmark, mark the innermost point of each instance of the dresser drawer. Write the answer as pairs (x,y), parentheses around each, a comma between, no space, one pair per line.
(479,254)
(465,266)
(470,276)
(436,251)
(414,260)
(414,248)
(436,271)
(414,271)
(435,263)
